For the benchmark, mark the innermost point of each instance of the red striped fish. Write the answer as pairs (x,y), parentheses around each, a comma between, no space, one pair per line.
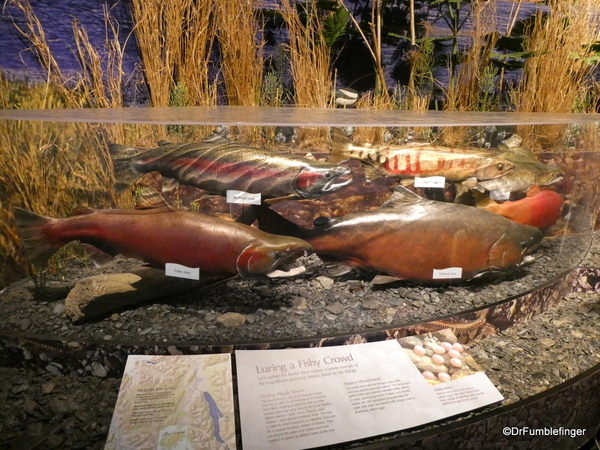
(220,165)
(455,164)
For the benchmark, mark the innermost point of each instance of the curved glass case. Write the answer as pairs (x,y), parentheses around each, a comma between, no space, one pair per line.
(389,218)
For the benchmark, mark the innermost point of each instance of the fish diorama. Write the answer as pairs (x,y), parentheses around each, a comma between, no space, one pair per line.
(410,237)
(218,164)
(219,248)
(384,226)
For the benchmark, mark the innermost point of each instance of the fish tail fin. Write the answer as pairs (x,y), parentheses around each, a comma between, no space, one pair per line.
(35,242)
(122,157)
(274,223)
(339,148)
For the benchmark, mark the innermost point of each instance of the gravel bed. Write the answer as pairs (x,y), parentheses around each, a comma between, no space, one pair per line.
(46,410)
(309,305)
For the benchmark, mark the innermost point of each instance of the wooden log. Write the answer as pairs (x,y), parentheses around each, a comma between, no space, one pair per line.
(101,295)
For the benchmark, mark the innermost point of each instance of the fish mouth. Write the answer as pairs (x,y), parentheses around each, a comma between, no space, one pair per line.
(312,181)
(281,267)
(271,261)
(338,182)
(554,180)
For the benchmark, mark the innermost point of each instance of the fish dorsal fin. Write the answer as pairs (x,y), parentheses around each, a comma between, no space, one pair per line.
(402,197)
(217,137)
(321,220)
(522,152)
(82,211)
(339,148)
(533,190)
(513,141)
(416,139)
(162,143)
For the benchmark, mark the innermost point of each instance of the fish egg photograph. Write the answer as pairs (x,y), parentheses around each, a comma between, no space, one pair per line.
(293,224)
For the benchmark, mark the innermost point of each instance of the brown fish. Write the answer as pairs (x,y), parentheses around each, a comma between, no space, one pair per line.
(159,236)
(425,160)
(410,237)
(218,165)
(528,171)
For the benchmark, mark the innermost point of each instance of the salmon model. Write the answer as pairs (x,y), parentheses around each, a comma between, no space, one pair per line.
(410,237)
(541,208)
(218,165)
(217,247)
(456,165)
(527,172)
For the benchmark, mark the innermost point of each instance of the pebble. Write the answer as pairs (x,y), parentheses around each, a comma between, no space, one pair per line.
(98,370)
(334,308)
(59,309)
(231,320)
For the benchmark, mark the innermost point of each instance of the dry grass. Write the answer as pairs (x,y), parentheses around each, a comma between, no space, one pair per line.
(241,55)
(473,81)
(175,38)
(556,78)
(310,57)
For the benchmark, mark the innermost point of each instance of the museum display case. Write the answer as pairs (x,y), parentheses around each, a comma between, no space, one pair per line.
(248,229)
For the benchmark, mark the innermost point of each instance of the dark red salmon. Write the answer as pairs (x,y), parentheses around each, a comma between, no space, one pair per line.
(217,247)
(410,237)
(221,165)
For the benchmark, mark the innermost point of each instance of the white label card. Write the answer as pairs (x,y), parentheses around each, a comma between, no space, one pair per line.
(179,271)
(447,274)
(500,195)
(242,197)
(430,182)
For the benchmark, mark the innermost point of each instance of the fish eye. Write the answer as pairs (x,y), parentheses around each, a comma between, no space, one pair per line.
(327,174)
(500,166)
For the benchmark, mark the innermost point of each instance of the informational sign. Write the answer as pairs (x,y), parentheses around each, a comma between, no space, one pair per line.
(179,271)
(430,182)
(174,402)
(243,198)
(302,398)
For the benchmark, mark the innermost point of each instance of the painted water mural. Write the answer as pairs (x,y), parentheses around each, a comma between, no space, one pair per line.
(427,61)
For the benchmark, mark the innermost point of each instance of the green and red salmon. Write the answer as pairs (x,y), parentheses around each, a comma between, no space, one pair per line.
(528,171)
(410,237)
(220,249)
(424,160)
(218,165)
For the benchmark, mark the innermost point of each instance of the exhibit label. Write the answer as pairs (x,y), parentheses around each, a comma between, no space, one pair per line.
(174,402)
(179,271)
(430,182)
(303,398)
(447,274)
(244,198)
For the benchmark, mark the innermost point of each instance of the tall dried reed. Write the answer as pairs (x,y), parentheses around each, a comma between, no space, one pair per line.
(555,78)
(175,39)
(471,84)
(310,56)
(241,54)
